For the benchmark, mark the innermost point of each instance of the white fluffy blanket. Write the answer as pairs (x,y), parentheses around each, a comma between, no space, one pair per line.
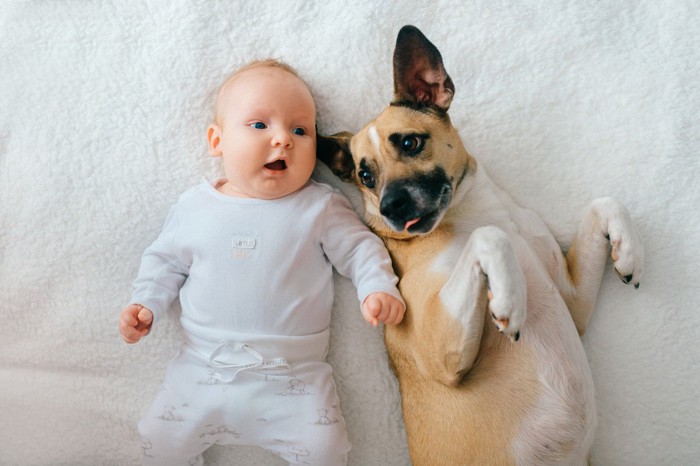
(103,111)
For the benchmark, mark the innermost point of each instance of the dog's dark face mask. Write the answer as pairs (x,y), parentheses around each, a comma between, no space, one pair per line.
(415,204)
(408,164)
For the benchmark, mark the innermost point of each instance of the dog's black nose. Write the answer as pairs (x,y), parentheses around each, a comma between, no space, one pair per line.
(397,204)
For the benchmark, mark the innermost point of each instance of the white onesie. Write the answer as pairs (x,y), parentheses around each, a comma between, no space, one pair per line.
(255,283)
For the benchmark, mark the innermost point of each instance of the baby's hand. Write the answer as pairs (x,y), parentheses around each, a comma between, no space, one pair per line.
(382,307)
(135,322)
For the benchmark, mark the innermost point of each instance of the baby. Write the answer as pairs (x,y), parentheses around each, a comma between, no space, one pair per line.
(251,258)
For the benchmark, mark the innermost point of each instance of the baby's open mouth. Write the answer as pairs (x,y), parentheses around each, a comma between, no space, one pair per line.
(277,165)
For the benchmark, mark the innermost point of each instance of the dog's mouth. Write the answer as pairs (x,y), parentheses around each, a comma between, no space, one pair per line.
(422,224)
(416,226)
(277,165)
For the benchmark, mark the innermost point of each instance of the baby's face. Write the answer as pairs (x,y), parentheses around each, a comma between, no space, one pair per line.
(266,134)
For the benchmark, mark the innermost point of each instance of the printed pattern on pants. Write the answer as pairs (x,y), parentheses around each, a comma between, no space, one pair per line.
(292,411)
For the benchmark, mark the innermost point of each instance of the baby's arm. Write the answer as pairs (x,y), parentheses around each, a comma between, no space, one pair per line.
(382,307)
(135,322)
(160,277)
(358,253)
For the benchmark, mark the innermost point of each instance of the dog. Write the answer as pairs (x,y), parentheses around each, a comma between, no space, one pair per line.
(489,360)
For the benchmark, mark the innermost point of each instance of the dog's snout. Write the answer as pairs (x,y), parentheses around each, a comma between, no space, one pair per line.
(417,203)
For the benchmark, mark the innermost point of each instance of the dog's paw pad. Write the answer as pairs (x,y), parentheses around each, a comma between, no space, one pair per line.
(627,254)
(509,308)
(626,247)
(501,324)
(509,326)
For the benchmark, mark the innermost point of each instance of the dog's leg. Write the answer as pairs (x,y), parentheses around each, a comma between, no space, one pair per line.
(486,266)
(606,226)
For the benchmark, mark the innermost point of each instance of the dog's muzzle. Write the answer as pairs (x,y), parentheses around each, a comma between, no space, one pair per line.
(416,204)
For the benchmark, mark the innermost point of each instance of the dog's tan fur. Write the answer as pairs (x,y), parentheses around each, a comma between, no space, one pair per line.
(470,395)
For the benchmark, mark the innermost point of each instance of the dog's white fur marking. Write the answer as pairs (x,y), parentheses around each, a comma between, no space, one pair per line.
(374,137)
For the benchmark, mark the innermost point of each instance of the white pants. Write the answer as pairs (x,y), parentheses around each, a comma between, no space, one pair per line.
(275,392)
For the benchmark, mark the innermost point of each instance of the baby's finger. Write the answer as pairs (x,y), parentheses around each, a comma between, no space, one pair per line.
(368,315)
(145,316)
(127,320)
(369,311)
(396,315)
(384,313)
(130,335)
(393,316)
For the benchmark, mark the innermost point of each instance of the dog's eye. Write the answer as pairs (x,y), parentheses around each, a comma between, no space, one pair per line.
(412,145)
(409,144)
(366,178)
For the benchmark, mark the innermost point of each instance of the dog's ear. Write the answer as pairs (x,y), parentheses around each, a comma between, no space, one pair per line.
(419,74)
(334,151)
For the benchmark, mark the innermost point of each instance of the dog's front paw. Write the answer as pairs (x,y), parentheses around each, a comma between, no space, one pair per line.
(507,287)
(627,249)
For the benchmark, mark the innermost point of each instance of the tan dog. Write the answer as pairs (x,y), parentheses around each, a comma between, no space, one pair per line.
(468,257)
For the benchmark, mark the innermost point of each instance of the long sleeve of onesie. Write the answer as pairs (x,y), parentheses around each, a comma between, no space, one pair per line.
(356,252)
(161,273)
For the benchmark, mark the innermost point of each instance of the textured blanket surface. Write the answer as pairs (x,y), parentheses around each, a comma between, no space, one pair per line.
(103,112)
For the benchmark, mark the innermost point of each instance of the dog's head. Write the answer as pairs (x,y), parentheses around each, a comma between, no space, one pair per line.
(409,162)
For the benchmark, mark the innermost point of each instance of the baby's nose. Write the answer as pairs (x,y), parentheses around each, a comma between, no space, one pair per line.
(282,138)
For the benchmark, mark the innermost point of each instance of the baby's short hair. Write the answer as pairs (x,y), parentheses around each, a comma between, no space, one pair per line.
(266,62)
(262,63)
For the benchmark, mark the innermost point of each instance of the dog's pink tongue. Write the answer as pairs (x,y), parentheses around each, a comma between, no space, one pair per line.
(411,222)
(276,165)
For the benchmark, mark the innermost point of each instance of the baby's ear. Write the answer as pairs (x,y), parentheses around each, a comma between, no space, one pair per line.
(334,151)
(214,140)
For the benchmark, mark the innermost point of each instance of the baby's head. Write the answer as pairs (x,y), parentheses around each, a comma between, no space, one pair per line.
(265,131)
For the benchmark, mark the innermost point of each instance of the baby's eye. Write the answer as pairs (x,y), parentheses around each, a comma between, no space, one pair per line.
(258,125)
(299,131)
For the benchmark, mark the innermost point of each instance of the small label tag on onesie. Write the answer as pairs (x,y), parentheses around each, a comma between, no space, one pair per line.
(240,242)
(242,247)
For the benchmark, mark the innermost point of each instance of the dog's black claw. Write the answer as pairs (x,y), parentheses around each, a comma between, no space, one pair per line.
(607,237)
(636,286)
(516,337)
(627,278)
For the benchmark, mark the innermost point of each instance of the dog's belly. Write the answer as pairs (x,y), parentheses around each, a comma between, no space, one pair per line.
(558,428)
(529,402)
(477,421)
